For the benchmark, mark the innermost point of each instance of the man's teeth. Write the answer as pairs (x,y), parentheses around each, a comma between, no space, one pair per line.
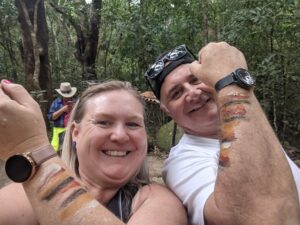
(116,153)
(196,109)
(200,106)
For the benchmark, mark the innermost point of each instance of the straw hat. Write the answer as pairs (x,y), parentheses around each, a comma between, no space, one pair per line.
(66,90)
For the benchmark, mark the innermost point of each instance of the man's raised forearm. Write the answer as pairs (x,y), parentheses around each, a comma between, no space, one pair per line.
(254,184)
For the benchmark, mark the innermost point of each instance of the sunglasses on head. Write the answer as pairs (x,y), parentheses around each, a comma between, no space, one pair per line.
(152,74)
(173,55)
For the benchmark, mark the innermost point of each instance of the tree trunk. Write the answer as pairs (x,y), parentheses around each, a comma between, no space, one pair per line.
(35,43)
(205,26)
(87,31)
(34,47)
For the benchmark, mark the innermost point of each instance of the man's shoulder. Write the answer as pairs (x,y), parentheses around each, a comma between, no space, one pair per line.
(57,101)
(195,146)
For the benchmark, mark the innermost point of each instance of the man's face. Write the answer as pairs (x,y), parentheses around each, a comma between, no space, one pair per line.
(190,103)
(66,99)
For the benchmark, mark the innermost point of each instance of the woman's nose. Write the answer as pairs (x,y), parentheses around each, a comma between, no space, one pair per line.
(119,134)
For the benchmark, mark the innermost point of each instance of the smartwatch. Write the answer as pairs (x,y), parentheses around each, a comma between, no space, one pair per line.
(240,76)
(22,167)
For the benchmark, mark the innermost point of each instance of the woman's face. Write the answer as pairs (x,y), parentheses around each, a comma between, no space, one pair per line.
(111,140)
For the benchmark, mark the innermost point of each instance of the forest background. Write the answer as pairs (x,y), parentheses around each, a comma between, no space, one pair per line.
(45,42)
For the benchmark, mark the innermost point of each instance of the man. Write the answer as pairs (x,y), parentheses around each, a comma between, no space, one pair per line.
(239,184)
(59,112)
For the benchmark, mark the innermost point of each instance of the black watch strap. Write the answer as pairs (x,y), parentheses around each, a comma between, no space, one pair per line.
(229,79)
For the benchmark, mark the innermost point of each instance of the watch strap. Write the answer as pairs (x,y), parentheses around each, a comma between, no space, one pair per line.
(22,167)
(229,79)
(42,154)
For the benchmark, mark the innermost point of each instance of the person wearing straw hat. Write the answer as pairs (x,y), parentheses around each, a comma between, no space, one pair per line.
(59,112)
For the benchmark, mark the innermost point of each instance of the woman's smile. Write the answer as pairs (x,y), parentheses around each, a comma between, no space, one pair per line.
(116,153)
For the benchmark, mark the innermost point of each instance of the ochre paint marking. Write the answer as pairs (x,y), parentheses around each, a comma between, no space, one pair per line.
(233,112)
(49,172)
(233,101)
(228,131)
(235,97)
(76,205)
(73,196)
(58,188)
(224,159)
(70,186)
(53,183)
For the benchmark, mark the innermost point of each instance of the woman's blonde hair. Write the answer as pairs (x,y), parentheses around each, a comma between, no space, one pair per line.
(69,153)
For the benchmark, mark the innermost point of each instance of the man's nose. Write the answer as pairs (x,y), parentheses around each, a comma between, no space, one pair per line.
(193,93)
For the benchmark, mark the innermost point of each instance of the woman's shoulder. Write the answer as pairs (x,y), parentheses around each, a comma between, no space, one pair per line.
(152,204)
(155,192)
(154,187)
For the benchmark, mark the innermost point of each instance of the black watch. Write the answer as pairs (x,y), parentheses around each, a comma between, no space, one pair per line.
(21,167)
(240,76)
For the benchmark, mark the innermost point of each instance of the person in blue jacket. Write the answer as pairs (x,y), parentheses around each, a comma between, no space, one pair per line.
(60,111)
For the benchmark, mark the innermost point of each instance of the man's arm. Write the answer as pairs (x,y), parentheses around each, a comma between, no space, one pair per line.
(254,183)
(59,112)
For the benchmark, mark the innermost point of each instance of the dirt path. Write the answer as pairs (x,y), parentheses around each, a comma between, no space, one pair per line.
(154,162)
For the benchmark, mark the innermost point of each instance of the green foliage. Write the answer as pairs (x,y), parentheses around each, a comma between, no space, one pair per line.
(134,33)
(10,61)
(165,134)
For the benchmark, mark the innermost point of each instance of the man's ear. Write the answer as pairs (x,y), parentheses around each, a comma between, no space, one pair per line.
(164,109)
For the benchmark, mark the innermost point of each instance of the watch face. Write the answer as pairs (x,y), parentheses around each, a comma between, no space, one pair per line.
(245,77)
(18,168)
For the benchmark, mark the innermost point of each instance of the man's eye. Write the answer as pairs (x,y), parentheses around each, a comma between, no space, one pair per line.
(176,94)
(195,80)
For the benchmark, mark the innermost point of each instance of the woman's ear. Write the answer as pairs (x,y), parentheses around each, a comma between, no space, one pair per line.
(74,130)
(164,109)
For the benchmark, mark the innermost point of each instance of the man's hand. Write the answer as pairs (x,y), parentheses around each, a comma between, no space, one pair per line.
(22,126)
(216,60)
(69,106)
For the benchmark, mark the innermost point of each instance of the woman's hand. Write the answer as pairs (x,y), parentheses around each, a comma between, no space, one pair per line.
(22,126)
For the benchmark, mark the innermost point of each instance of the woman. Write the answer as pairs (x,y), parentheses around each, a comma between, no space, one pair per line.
(105,147)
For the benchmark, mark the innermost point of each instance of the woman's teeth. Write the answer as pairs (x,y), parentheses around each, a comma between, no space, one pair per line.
(116,153)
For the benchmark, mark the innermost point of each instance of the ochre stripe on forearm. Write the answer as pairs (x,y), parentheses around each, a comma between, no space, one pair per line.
(78,203)
(232,111)
(55,182)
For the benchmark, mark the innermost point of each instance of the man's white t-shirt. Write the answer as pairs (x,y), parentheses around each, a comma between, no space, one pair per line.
(191,171)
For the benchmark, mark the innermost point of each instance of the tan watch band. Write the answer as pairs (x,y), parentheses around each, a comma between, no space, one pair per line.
(42,154)
(37,157)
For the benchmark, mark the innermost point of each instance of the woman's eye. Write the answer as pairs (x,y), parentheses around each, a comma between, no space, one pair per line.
(104,123)
(133,125)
